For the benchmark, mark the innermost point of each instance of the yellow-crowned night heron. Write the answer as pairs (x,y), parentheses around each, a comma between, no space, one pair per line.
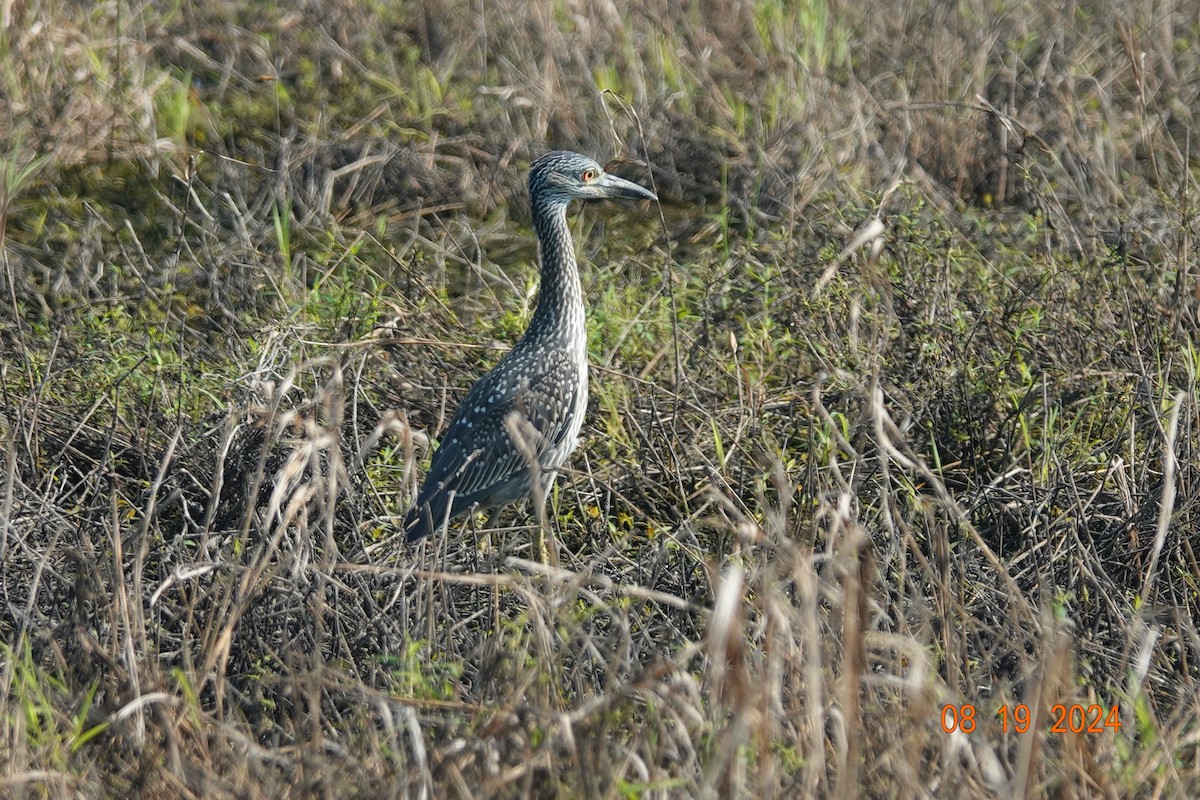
(522,420)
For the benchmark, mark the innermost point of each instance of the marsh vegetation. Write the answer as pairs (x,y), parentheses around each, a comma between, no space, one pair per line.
(893,404)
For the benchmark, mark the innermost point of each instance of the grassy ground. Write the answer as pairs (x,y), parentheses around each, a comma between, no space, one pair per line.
(894,400)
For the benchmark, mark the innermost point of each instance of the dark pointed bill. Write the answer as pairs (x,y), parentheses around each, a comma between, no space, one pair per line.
(612,186)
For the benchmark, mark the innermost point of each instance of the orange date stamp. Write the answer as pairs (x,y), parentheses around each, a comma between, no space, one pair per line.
(1074,718)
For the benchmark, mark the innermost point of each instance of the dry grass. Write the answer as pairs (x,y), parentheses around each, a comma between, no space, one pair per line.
(895,401)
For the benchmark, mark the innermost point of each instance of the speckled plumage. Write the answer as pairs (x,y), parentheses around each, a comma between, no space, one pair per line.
(539,390)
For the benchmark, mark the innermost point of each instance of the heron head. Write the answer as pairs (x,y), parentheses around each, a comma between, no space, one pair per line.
(562,177)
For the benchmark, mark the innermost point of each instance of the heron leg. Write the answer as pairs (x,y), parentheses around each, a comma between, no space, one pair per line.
(492,557)
(545,544)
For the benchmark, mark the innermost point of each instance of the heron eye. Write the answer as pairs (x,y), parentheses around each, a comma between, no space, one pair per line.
(588,175)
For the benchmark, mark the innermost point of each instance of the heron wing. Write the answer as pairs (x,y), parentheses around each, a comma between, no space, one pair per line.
(530,393)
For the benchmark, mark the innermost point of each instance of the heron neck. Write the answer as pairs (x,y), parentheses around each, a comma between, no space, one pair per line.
(559,312)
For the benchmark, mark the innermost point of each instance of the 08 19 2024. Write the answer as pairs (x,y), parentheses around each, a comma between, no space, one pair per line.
(1073,718)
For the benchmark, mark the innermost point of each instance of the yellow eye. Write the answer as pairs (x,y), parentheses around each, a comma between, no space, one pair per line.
(588,175)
